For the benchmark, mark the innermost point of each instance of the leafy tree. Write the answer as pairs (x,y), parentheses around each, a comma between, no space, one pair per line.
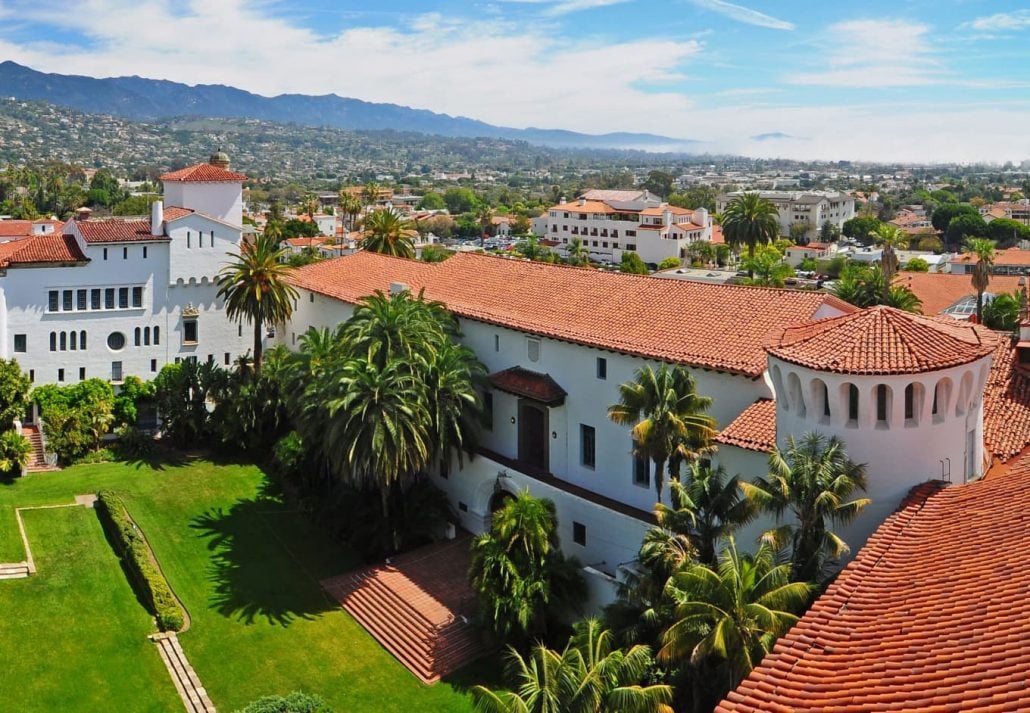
(832,267)
(965,226)
(1002,313)
(732,614)
(861,229)
(916,264)
(254,287)
(669,421)
(15,452)
(578,253)
(519,573)
(800,232)
(829,232)
(632,263)
(134,205)
(930,244)
(370,192)
(813,480)
(1007,232)
(350,207)
(699,197)
(531,249)
(590,675)
(750,220)
(864,286)
(132,393)
(388,233)
(14,393)
(431,200)
(181,391)
(435,253)
(767,268)
(669,263)
(890,238)
(460,200)
(983,250)
(659,183)
(722,254)
(75,417)
(295,228)
(521,225)
(943,215)
(702,251)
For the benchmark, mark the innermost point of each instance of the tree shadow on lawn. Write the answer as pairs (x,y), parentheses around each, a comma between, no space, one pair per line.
(254,572)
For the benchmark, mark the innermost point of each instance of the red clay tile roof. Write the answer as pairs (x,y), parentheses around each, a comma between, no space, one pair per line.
(204,173)
(883,340)
(710,326)
(1006,405)
(174,212)
(1008,256)
(15,228)
(933,614)
(49,248)
(938,291)
(116,231)
(754,429)
(529,384)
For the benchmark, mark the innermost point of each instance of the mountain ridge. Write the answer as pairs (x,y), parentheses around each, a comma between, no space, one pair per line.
(143,99)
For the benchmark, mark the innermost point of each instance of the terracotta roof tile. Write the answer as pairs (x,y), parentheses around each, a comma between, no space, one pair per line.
(882,340)
(115,231)
(933,614)
(15,228)
(174,212)
(710,326)
(1006,405)
(204,173)
(938,291)
(1008,256)
(754,429)
(49,248)
(529,384)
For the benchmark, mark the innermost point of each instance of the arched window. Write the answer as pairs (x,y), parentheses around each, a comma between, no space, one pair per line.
(82,340)
(64,341)
(146,336)
(910,402)
(852,403)
(797,400)
(157,335)
(882,404)
(53,341)
(820,399)
(137,336)
(74,341)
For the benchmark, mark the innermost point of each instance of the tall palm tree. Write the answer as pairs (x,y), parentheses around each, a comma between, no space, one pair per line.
(453,402)
(590,675)
(578,253)
(401,326)
(484,216)
(983,250)
(707,508)
(350,206)
(669,420)
(370,192)
(386,232)
(255,288)
(750,220)
(891,238)
(734,613)
(814,481)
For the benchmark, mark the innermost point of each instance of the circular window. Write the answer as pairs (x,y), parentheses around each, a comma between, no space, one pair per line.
(116,341)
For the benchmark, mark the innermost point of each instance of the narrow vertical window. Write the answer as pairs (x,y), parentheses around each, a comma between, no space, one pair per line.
(910,410)
(602,368)
(157,335)
(53,341)
(60,374)
(94,299)
(64,341)
(105,253)
(852,402)
(144,252)
(67,300)
(109,298)
(137,296)
(82,340)
(881,403)
(641,471)
(73,341)
(125,253)
(81,299)
(587,446)
(82,373)
(123,298)
(146,336)
(137,337)
(54,300)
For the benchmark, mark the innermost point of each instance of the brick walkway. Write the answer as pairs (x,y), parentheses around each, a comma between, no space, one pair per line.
(193,695)
(418,606)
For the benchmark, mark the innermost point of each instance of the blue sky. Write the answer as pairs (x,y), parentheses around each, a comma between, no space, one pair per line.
(947,80)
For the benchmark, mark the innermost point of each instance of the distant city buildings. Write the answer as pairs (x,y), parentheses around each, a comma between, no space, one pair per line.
(812,207)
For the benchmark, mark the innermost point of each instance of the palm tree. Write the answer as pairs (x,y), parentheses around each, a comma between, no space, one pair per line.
(454,405)
(578,253)
(397,327)
(370,193)
(750,220)
(767,268)
(813,480)
(590,675)
(669,419)
(386,232)
(484,216)
(732,614)
(708,508)
(350,206)
(983,250)
(891,238)
(255,288)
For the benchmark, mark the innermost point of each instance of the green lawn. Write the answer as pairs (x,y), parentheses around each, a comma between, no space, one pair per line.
(247,570)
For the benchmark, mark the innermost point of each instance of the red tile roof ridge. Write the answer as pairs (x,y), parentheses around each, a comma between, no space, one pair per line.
(41,249)
(204,173)
(754,429)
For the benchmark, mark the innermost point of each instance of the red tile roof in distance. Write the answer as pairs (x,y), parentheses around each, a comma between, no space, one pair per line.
(718,327)
(754,429)
(204,173)
(1006,405)
(49,248)
(174,212)
(529,384)
(932,615)
(882,340)
(15,228)
(116,231)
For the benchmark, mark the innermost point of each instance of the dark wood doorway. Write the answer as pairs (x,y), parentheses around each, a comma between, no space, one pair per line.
(533,441)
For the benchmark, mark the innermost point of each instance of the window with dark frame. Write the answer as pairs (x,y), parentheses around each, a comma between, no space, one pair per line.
(587,446)
(189,331)
(641,471)
(579,533)
(602,368)
(21,343)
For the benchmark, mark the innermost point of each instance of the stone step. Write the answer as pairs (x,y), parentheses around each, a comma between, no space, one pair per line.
(17,570)
(192,693)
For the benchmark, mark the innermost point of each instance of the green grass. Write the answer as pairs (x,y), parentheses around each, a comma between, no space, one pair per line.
(247,570)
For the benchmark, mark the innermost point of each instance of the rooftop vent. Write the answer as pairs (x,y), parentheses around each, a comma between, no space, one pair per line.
(397,288)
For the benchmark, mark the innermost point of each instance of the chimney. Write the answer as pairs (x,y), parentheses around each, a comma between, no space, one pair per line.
(397,288)
(667,217)
(157,218)
(582,201)
(701,216)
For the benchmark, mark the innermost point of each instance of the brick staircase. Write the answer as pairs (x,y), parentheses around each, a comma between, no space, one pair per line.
(418,606)
(37,461)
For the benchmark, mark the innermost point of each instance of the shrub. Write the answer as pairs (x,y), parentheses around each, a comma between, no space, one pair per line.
(917,264)
(135,552)
(133,444)
(101,455)
(296,702)
(669,263)
(15,450)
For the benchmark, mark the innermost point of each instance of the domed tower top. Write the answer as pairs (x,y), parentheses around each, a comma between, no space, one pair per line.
(221,159)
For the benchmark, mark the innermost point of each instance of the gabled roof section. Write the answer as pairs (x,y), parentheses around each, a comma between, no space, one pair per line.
(174,212)
(1006,405)
(41,249)
(882,340)
(116,231)
(718,327)
(204,173)
(754,429)
(529,384)
(933,614)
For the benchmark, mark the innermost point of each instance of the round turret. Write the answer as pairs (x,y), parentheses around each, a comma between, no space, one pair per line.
(220,159)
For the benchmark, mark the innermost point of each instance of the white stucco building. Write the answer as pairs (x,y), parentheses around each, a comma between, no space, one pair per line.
(610,222)
(812,207)
(112,297)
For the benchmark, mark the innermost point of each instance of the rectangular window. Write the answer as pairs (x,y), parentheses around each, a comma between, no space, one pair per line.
(94,299)
(189,331)
(881,402)
(125,253)
(81,299)
(123,298)
(32,376)
(105,253)
(228,359)
(852,402)
(60,374)
(67,300)
(488,410)
(311,297)
(602,368)
(21,343)
(54,302)
(533,349)
(109,298)
(579,533)
(153,365)
(910,402)
(641,471)
(189,238)
(137,296)
(144,252)
(210,358)
(116,371)
(200,239)
(587,446)
(82,373)
(497,342)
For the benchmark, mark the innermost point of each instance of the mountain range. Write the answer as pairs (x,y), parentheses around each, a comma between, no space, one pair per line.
(143,99)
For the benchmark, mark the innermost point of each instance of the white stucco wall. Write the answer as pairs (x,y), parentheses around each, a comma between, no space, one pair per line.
(223,201)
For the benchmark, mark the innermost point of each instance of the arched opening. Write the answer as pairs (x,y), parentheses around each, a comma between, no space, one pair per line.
(777,379)
(965,391)
(941,399)
(849,397)
(884,398)
(915,394)
(820,399)
(82,339)
(794,395)
(499,499)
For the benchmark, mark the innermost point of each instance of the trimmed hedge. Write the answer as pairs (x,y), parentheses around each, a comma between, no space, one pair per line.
(134,550)
(296,702)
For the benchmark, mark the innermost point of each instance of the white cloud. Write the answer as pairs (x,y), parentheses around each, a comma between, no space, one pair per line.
(564,7)
(1002,22)
(875,53)
(744,14)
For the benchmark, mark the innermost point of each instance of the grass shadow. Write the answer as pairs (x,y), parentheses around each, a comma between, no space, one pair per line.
(254,571)
(488,670)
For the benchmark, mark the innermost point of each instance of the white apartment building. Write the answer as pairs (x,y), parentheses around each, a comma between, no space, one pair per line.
(610,222)
(812,207)
(112,297)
